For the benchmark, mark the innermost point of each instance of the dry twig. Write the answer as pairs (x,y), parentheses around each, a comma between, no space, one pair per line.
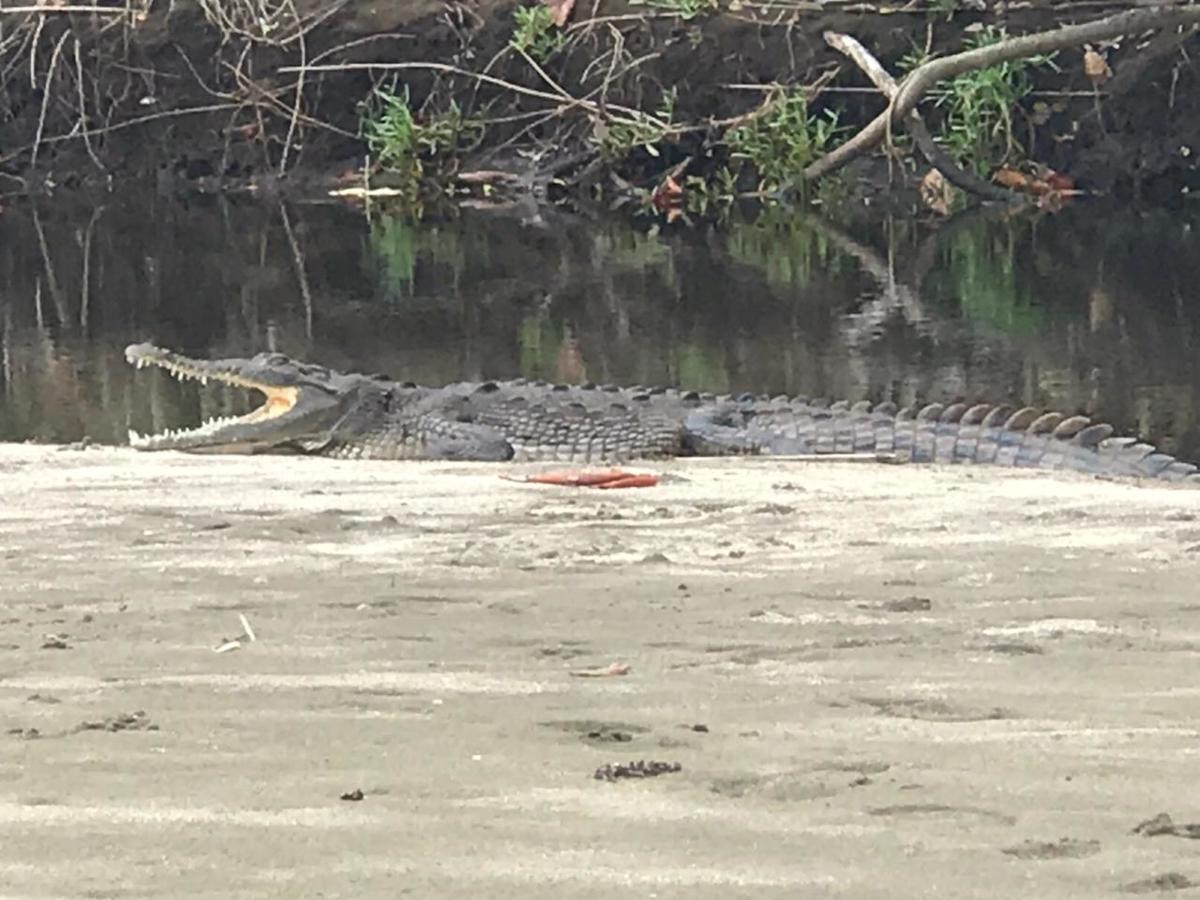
(46,94)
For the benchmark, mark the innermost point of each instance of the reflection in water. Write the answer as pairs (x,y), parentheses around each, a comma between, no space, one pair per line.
(1078,311)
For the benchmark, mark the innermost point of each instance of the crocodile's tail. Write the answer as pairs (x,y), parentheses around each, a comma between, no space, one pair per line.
(992,435)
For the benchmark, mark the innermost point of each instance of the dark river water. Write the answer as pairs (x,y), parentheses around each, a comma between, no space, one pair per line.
(1091,310)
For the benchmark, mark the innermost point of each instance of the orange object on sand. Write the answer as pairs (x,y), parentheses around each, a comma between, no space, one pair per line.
(599,478)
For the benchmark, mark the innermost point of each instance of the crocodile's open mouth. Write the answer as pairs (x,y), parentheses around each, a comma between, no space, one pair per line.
(278,399)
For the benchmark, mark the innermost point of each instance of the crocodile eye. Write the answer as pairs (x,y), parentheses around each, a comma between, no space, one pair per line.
(276,359)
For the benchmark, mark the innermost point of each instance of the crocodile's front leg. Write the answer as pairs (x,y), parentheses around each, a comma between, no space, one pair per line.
(427,436)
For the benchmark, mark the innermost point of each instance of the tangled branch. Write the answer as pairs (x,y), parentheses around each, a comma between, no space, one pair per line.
(925,76)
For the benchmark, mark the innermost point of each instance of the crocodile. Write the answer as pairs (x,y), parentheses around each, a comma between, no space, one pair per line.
(310,409)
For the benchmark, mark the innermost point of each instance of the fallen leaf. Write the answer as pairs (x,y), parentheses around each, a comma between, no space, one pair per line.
(1012,179)
(1052,189)
(667,196)
(936,192)
(1058,181)
(560,10)
(1095,66)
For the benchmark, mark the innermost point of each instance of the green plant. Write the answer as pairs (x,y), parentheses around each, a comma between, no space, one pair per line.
(620,136)
(684,9)
(401,142)
(781,142)
(712,196)
(978,105)
(534,32)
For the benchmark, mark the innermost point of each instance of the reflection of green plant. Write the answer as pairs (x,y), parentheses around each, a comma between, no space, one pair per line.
(539,341)
(978,105)
(534,32)
(684,9)
(982,274)
(699,368)
(400,242)
(783,247)
(394,242)
(401,142)
(622,248)
(782,141)
(620,136)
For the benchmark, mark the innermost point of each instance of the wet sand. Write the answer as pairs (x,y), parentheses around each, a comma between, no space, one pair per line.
(879,681)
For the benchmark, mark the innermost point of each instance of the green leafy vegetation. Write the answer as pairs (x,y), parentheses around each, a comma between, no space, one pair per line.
(402,143)
(977,128)
(620,137)
(534,32)
(713,196)
(684,9)
(781,142)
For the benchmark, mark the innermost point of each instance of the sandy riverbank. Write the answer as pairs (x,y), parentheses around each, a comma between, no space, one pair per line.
(912,681)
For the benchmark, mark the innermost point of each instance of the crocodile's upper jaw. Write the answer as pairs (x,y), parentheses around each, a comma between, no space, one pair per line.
(298,406)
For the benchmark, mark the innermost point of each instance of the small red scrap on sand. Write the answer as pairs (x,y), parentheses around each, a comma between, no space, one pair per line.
(606,479)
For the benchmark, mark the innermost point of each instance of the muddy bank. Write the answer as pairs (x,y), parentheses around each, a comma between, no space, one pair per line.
(874,680)
(208,95)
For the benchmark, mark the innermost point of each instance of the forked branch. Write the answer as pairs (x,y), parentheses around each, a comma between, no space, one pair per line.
(935,155)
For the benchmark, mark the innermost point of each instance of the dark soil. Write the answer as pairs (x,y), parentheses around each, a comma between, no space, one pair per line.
(166,93)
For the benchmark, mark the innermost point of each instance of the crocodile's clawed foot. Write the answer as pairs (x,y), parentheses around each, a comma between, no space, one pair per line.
(598,478)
